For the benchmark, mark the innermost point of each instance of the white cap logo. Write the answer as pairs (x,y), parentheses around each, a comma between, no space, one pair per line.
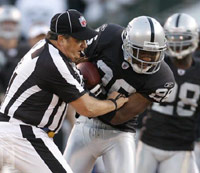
(82,21)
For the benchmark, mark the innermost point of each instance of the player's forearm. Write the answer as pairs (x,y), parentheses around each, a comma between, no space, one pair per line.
(135,106)
(123,116)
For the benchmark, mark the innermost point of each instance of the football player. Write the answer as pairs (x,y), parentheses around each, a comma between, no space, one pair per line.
(168,135)
(11,47)
(130,61)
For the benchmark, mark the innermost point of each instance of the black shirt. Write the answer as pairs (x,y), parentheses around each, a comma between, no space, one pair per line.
(117,75)
(171,125)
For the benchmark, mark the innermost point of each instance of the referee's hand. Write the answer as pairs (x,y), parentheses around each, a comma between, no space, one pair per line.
(118,99)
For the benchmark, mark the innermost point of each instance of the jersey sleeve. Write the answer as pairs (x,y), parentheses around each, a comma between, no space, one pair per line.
(106,33)
(159,85)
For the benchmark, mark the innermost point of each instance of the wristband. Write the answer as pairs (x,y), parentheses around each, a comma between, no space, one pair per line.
(115,103)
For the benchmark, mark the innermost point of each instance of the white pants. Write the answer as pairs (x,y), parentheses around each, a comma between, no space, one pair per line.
(29,150)
(150,159)
(197,153)
(90,138)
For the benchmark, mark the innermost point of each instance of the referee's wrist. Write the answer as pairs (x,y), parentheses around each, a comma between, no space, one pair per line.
(115,103)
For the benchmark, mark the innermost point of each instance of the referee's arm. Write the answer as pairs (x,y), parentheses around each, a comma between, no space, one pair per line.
(89,106)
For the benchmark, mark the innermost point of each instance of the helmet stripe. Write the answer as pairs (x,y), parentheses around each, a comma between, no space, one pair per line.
(178,19)
(152,29)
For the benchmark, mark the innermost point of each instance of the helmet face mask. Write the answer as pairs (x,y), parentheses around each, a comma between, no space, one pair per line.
(182,35)
(8,29)
(9,22)
(143,61)
(142,52)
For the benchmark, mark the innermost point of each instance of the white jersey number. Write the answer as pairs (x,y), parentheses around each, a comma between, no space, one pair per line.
(161,94)
(120,83)
(188,96)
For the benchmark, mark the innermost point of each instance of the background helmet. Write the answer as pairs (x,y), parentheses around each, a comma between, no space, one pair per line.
(182,35)
(10,18)
(144,37)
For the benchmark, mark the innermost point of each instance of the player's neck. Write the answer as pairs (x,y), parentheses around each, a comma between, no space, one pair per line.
(184,63)
(8,43)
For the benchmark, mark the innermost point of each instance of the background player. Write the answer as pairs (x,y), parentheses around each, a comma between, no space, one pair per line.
(11,47)
(130,61)
(168,134)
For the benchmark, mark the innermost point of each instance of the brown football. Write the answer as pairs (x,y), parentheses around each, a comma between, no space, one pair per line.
(90,74)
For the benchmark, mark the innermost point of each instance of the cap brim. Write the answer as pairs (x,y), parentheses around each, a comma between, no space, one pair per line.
(87,34)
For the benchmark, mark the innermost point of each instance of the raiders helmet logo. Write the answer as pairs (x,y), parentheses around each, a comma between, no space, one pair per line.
(82,21)
(169,85)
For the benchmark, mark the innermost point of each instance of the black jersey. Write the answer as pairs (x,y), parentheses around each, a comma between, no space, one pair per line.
(171,125)
(8,61)
(42,84)
(118,75)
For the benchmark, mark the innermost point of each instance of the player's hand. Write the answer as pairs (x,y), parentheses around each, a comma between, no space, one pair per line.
(118,98)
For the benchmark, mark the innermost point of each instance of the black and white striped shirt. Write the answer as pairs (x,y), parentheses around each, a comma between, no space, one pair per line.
(41,86)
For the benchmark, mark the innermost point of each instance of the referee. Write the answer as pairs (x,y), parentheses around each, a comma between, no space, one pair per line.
(40,89)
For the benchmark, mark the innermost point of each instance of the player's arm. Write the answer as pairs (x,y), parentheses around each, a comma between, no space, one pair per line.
(89,106)
(135,106)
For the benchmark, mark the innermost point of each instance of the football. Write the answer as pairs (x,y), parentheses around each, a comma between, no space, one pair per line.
(90,74)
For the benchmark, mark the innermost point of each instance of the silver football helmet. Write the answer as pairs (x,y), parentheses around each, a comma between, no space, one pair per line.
(182,35)
(10,18)
(144,44)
